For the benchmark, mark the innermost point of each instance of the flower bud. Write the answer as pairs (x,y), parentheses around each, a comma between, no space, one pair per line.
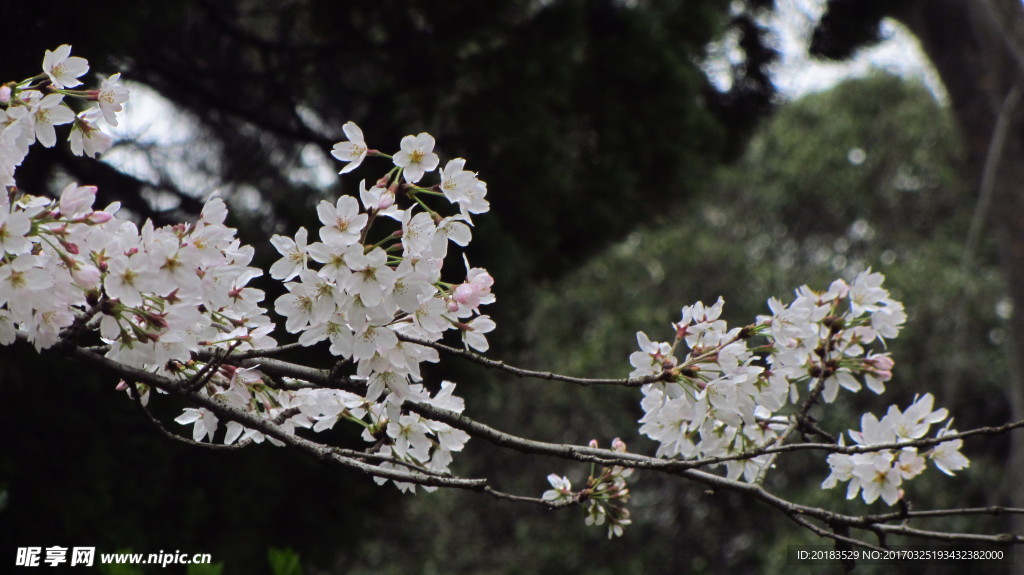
(880,362)
(156,320)
(681,330)
(87,276)
(99,217)
(76,200)
(467,294)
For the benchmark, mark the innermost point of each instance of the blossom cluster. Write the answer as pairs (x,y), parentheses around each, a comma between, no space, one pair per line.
(373,295)
(604,497)
(155,296)
(881,472)
(726,398)
(30,110)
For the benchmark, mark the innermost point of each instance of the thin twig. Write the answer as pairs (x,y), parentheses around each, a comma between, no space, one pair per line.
(208,370)
(803,522)
(536,500)
(174,436)
(272,430)
(520,372)
(899,516)
(69,335)
(267,352)
(594,455)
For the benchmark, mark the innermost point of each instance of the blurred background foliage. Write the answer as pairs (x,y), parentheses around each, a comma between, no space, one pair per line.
(624,185)
(863,175)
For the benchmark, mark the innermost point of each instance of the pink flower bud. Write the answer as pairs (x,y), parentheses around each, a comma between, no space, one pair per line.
(87,276)
(121,385)
(452,306)
(881,362)
(880,366)
(468,295)
(386,201)
(593,443)
(99,217)
(5,94)
(76,200)
(481,279)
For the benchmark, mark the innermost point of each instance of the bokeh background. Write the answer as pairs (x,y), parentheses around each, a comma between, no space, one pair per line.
(640,155)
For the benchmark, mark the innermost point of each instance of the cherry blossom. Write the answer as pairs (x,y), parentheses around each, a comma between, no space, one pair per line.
(352,151)
(562,489)
(110,98)
(294,252)
(48,112)
(473,332)
(342,221)
(946,456)
(204,422)
(62,68)
(14,226)
(653,357)
(85,138)
(417,156)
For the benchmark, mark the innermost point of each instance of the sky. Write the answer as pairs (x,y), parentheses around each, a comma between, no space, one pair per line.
(799,74)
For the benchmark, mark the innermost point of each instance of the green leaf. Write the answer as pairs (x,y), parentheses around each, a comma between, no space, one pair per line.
(284,561)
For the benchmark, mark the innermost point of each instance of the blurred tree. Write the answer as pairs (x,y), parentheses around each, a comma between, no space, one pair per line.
(866,174)
(978,50)
(569,107)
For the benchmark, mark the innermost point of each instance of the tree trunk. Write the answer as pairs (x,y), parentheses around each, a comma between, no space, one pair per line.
(978,49)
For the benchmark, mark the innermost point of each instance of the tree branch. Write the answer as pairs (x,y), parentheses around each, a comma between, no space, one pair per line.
(388,467)
(520,372)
